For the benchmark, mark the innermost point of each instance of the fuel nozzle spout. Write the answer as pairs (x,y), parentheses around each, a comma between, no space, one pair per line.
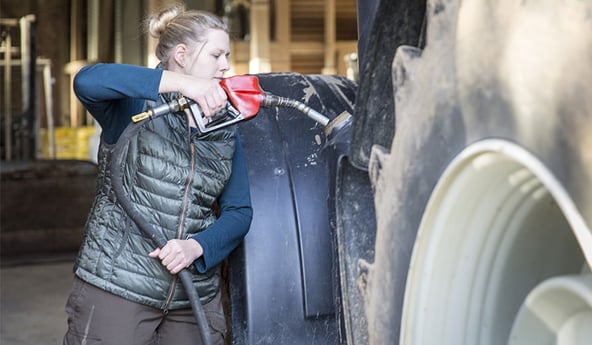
(269,101)
(330,127)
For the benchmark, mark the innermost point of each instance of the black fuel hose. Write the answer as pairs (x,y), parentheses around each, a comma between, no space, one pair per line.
(157,238)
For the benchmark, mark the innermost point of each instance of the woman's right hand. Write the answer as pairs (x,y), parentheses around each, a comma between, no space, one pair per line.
(207,93)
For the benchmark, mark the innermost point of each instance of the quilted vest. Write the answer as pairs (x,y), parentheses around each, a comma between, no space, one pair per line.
(172,178)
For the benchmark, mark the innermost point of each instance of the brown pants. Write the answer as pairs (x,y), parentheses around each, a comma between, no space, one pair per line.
(99,317)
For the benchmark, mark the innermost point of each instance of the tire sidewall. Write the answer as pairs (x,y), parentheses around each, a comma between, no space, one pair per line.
(475,80)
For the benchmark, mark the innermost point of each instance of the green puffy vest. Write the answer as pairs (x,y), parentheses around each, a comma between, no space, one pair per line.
(172,178)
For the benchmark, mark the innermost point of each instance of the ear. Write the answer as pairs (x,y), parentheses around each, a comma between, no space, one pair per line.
(179,54)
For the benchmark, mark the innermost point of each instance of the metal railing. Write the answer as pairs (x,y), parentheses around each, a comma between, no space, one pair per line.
(22,128)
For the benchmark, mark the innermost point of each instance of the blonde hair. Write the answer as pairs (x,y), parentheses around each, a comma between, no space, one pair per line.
(176,25)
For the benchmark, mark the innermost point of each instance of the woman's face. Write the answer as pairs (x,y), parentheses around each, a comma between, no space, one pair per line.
(209,59)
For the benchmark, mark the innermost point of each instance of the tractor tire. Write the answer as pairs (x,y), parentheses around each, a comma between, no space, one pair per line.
(483,202)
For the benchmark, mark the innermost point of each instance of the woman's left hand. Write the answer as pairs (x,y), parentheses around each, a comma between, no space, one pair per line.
(178,254)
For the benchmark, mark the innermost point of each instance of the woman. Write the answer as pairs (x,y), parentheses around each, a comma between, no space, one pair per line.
(191,187)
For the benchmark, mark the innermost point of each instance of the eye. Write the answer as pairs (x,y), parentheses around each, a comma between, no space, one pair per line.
(219,54)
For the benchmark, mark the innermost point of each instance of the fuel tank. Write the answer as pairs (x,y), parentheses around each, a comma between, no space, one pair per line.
(282,277)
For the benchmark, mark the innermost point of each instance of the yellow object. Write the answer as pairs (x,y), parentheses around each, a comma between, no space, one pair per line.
(141,116)
(70,143)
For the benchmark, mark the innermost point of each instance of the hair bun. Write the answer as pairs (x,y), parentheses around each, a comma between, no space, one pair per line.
(158,23)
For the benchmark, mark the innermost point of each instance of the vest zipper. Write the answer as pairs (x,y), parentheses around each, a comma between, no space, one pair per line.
(180,229)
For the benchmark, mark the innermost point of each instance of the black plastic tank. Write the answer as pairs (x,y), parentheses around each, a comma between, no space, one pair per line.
(282,277)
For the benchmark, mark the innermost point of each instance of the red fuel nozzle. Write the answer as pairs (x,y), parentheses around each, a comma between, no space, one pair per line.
(245,99)
(244,93)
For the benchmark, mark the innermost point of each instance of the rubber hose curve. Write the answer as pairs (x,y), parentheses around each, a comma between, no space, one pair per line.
(158,239)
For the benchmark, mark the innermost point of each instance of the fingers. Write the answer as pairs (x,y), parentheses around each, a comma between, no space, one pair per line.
(154,253)
(213,100)
(173,257)
(177,254)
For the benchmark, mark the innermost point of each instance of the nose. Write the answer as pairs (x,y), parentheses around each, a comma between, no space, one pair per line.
(223,64)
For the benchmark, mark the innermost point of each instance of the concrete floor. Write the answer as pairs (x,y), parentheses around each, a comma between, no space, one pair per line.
(32,300)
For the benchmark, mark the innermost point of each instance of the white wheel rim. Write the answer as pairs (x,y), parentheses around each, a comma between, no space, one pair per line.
(496,226)
(558,311)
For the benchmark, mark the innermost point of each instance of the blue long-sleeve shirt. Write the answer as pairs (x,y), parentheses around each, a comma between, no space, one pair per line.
(112,93)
